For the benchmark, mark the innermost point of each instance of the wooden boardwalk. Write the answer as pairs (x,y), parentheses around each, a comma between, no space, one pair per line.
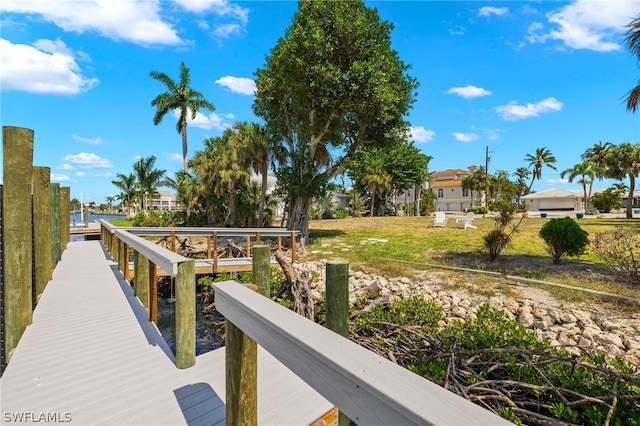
(91,356)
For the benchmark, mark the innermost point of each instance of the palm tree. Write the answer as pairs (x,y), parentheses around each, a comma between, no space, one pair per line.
(586,172)
(128,185)
(110,199)
(632,40)
(149,178)
(624,161)
(521,174)
(179,97)
(377,179)
(597,154)
(542,157)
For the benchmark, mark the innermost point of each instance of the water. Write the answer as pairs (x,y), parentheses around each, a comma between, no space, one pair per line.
(76,219)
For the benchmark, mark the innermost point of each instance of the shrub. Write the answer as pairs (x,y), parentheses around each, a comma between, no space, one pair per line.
(620,250)
(139,219)
(563,237)
(607,200)
(503,231)
(479,210)
(341,213)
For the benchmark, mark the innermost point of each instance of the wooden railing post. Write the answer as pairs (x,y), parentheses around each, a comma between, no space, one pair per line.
(125,261)
(293,247)
(153,293)
(215,252)
(337,300)
(42,227)
(65,217)
(173,240)
(17,145)
(55,224)
(261,269)
(141,278)
(186,314)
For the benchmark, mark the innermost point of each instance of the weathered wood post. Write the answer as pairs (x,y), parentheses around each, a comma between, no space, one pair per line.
(241,353)
(85,215)
(186,314)
(261,269)
(42,227)
(153,292)
(55,223)
(65,217)
(337,300)
(141,278)
(17,145)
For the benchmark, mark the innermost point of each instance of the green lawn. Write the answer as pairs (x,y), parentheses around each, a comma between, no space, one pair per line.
(370,242)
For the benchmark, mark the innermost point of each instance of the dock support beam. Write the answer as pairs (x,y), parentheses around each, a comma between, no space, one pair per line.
(17,145)
(141,278)
(42,227)
(65,217)
(55,224)
(186,315)
(261,269)
(337,298)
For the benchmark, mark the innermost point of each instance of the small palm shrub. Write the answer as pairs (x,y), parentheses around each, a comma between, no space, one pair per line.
(563,237)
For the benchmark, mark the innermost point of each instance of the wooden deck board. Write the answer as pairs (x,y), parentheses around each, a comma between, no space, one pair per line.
(91,352)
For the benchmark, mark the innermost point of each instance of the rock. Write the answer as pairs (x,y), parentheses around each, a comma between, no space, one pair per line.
(526,319)
(581,315)
(609,339)
(611,325)
(567,318)
(631,344)
(459,312)
(584,342)
(540,313)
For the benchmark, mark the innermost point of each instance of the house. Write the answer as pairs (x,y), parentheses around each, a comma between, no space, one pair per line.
(407,198)
(558,199)
(447,187)
(165,200)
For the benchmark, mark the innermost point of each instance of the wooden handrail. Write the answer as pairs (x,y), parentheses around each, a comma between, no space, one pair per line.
(369,389)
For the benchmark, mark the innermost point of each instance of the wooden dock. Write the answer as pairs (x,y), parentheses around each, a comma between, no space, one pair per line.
(92,357)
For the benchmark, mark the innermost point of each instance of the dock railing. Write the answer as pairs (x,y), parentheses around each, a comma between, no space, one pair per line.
(366,387)
(147,258)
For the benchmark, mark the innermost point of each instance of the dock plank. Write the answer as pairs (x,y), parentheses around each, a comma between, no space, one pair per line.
(90,352)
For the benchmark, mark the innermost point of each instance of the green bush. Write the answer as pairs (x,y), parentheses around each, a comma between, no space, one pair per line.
(563,236)
(413,310)
(341,213)
(479,210)
(607,200)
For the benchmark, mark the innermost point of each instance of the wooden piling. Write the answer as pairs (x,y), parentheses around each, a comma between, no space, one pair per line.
(41,227)
(241,378)
(337,300)
(65,217)
(153,292)
(186,314)
(261,269)
(56,250)
(141,278)
(17,145)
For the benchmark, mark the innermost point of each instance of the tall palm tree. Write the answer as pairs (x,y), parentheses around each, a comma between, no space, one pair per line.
(149,178)
(542,157)
(597,154)
(586,172)
(179,96)
(632,40)
(110,199)
(127,184)
(521,174)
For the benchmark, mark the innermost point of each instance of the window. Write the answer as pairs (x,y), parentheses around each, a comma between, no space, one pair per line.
(440,193)
(465,192)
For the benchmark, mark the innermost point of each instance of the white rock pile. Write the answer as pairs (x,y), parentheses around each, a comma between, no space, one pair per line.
(579,329)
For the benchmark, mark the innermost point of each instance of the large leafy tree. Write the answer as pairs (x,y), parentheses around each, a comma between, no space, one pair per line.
(632,42)
(181,97)
(542,157)
(331,85)
(585,174)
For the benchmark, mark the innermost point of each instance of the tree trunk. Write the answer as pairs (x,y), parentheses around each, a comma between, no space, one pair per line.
(263,196)
(632,188)
(185,150)
(298,218)
(373,203)
(417,192)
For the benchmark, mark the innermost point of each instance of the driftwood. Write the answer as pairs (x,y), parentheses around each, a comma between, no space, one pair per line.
(234,250)
(482,376)
(297,286)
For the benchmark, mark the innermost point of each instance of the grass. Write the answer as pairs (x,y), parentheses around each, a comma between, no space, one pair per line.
(122,222)
(392,245)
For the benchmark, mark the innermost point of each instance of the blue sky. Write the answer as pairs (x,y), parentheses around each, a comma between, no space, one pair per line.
(511,76)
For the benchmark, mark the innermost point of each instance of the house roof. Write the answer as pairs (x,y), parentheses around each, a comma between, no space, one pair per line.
(551,193)
(446,182)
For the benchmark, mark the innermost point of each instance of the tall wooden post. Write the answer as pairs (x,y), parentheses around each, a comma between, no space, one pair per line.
(337,299)
(261,269)
(186,314)
(85,215)
(55,223)
(141,278)
(153,293)
(17,146)
(65,217)
(42,227)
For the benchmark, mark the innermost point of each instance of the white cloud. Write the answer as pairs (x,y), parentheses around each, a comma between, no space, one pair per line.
(468,91)
(86,160)
(219,7)
(513,112)
(46,67)
(458,30)
(59,178)
(587,24)
(241,85)
(227,30)
(420,134)
(133,21)
(173,158)
(465,137)
(211,121)
(90,141)
(492,134)
(488,11)
(66,167)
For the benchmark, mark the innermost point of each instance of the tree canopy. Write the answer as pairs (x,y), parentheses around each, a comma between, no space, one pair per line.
(331,85)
